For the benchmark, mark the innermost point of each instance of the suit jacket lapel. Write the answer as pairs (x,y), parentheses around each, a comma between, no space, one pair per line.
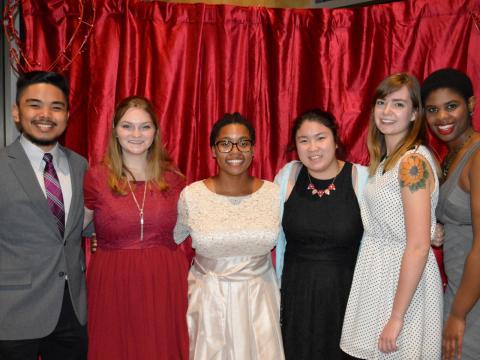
(75,178)
(27,179)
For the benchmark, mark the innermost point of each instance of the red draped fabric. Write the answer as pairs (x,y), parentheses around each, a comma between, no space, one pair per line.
(196,62)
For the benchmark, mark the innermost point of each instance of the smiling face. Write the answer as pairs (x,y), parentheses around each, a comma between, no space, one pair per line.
(393,115)
(447,114)
(235,162)
(41,114)
(135,132)
(316,149)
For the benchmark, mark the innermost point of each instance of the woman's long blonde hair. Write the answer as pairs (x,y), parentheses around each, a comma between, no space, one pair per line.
(158,160)
(417,129)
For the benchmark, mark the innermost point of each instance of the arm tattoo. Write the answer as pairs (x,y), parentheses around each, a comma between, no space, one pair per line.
(413,173)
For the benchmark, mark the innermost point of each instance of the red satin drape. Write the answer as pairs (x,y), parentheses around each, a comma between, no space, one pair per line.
(197,62)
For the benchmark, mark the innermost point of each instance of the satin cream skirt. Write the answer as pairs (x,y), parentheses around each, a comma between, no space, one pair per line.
(234,309)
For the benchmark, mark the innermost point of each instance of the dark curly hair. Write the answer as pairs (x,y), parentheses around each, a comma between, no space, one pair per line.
(229,119)
(448,78)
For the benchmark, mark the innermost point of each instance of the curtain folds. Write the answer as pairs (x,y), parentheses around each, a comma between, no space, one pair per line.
(196,62)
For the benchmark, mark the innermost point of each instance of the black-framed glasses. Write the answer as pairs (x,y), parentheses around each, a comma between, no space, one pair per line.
(225,146)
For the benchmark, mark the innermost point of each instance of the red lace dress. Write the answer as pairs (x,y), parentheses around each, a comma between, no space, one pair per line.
(137,289)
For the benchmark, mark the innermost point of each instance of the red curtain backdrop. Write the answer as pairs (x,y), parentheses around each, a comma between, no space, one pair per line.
(196,62)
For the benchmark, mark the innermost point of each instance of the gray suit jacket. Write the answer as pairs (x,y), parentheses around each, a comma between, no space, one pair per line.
(33,257)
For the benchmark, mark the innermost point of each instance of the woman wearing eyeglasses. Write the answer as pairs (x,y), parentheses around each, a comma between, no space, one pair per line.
(234,220)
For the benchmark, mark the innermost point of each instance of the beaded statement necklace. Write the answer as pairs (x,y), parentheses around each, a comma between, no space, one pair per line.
(140,209)
(321,192)
(451,156)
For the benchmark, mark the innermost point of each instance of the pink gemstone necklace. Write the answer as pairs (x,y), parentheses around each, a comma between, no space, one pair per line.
(321,193)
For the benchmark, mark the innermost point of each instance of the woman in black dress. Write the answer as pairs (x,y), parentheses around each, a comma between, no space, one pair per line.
(323,228)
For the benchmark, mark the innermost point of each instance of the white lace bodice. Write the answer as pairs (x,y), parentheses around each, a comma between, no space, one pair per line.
(222,226)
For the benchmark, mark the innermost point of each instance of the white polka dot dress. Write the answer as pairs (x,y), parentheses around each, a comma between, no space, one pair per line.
(376,277)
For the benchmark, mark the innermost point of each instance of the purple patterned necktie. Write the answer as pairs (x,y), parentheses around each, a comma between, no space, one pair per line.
(54,192)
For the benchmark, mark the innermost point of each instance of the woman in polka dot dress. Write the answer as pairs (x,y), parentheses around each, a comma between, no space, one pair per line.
(394,309)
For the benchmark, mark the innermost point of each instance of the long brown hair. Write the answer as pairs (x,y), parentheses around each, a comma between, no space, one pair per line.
(158,160)
(416,132)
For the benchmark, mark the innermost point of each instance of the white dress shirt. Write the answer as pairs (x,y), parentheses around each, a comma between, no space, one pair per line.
(60,162)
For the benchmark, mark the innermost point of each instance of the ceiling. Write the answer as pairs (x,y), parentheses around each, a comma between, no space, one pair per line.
(288,3)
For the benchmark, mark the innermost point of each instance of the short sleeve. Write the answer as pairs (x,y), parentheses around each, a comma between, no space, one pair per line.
(90,189)
(181,230)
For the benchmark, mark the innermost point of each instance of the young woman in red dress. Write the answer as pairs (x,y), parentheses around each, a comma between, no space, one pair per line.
(137,279)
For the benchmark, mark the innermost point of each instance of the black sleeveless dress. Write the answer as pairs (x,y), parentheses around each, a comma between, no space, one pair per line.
(323,237)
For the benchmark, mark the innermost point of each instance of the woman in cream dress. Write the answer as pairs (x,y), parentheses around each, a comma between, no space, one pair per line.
(234,220)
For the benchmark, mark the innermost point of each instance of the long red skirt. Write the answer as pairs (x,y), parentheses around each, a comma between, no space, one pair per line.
(137,304)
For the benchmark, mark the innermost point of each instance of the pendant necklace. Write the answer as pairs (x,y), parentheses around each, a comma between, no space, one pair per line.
(448,161)
(140,209)
(320,193)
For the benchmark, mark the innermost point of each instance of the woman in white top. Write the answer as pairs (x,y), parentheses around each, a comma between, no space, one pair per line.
(234,220)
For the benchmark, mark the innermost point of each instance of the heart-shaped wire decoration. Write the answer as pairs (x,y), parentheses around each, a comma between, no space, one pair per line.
(21,63)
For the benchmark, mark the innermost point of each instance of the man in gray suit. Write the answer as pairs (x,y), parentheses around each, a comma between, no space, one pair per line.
(42,284)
